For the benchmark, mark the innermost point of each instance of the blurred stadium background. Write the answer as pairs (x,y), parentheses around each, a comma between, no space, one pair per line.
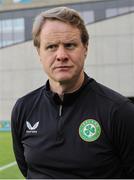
(110,60)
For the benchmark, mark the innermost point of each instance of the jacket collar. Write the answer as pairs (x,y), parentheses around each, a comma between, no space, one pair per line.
(68,97)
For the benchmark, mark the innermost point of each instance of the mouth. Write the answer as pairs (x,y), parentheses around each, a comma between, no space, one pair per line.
(62,67)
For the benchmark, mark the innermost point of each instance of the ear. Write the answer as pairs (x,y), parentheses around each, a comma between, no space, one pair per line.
(86,49)
(38,51)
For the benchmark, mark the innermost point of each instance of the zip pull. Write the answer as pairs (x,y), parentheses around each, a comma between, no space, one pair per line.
(60,110)
(61,106)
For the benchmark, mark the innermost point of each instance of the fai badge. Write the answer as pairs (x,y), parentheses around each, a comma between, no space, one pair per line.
(89,130)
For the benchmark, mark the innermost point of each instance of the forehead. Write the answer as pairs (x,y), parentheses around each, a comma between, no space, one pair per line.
(54,30)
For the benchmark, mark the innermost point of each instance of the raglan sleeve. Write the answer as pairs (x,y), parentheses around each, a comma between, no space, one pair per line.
(123,135)
(16,138)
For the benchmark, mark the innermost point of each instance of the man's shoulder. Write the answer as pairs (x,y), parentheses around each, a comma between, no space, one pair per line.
(31,97)
(107,93)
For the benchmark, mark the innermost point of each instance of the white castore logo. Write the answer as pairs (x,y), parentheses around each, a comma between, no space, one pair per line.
(32,129)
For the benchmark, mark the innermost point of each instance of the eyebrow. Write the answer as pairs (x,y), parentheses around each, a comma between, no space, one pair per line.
(64,42)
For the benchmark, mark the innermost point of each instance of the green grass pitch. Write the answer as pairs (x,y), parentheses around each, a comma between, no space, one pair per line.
(7,157)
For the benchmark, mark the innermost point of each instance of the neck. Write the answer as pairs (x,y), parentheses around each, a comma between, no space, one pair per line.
(66,87)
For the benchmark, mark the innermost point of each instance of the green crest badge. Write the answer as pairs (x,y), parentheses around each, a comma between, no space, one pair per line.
(89,130)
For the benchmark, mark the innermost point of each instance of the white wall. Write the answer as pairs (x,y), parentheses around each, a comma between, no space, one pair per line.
(111,53)
(20,72)
(110,61)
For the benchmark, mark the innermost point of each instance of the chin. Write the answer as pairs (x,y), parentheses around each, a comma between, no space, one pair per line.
(63,79)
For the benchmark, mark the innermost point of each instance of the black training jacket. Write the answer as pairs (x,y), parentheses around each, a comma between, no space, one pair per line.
(90,134)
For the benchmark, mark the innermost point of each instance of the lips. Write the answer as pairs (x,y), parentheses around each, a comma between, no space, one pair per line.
(62,67)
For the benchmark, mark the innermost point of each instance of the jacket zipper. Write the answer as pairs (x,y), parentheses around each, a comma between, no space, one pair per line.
(60,110)
(59,123)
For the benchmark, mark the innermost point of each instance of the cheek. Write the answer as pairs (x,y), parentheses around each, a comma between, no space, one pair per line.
(79,59)
(47,62)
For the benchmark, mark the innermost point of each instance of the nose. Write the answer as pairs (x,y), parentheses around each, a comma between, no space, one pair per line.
(61,54)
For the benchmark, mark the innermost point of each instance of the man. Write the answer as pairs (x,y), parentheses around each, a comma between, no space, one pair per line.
(73,127)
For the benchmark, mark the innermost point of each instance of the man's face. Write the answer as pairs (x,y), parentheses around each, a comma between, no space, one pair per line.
(61,51)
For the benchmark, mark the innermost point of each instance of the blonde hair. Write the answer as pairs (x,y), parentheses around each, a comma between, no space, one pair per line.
(63,14)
